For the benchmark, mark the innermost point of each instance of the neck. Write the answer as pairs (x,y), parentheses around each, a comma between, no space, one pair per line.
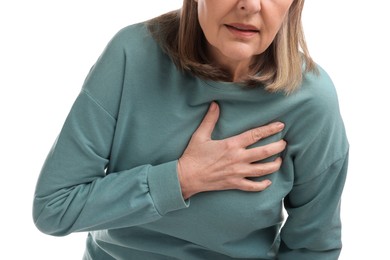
(237,69)
(239,72)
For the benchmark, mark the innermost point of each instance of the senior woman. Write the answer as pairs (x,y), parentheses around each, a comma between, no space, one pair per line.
(191,132)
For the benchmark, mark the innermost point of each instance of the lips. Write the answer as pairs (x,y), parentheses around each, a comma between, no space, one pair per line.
(242,27)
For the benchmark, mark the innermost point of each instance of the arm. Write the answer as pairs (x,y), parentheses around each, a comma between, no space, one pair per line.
(319,154)
(73,192)
(313,226)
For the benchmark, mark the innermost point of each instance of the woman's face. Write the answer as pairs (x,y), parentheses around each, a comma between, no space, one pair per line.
(236,30)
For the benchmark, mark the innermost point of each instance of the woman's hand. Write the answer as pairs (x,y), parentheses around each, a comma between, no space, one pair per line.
(208,164)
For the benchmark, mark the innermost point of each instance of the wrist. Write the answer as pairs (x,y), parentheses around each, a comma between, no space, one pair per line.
(184,180)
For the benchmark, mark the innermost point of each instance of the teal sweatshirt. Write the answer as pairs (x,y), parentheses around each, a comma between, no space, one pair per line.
(112,170)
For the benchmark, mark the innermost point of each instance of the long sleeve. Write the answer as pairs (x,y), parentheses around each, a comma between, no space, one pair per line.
(319,155)
(74,191)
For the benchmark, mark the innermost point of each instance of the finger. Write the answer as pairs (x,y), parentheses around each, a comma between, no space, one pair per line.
(261,169)
(207,125)
(256,134)
(248,185)
(262,152)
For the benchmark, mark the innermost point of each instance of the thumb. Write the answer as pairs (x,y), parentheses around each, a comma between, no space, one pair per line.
(207,125)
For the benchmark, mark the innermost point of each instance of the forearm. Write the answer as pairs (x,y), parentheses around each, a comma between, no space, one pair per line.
(120,199)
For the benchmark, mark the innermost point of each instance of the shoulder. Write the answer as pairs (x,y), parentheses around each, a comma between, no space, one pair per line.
(136,45)
(314,108)
(317,100)
(104,82)
(132,33)
(318,94)
(130,36)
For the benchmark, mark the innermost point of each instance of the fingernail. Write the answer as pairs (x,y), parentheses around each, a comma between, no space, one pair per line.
(268,182)
(279,125)
(213,106)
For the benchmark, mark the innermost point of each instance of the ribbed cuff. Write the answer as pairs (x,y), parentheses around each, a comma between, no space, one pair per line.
(164,188)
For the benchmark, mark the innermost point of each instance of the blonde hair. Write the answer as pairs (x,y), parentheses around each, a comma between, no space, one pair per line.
(279,68)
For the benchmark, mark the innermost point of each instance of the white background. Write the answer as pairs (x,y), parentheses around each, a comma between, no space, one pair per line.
(47,48)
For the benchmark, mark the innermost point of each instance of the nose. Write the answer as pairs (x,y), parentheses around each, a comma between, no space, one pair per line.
(250,6)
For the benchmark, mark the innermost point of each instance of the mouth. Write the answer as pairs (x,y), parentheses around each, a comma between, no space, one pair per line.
(243,28)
